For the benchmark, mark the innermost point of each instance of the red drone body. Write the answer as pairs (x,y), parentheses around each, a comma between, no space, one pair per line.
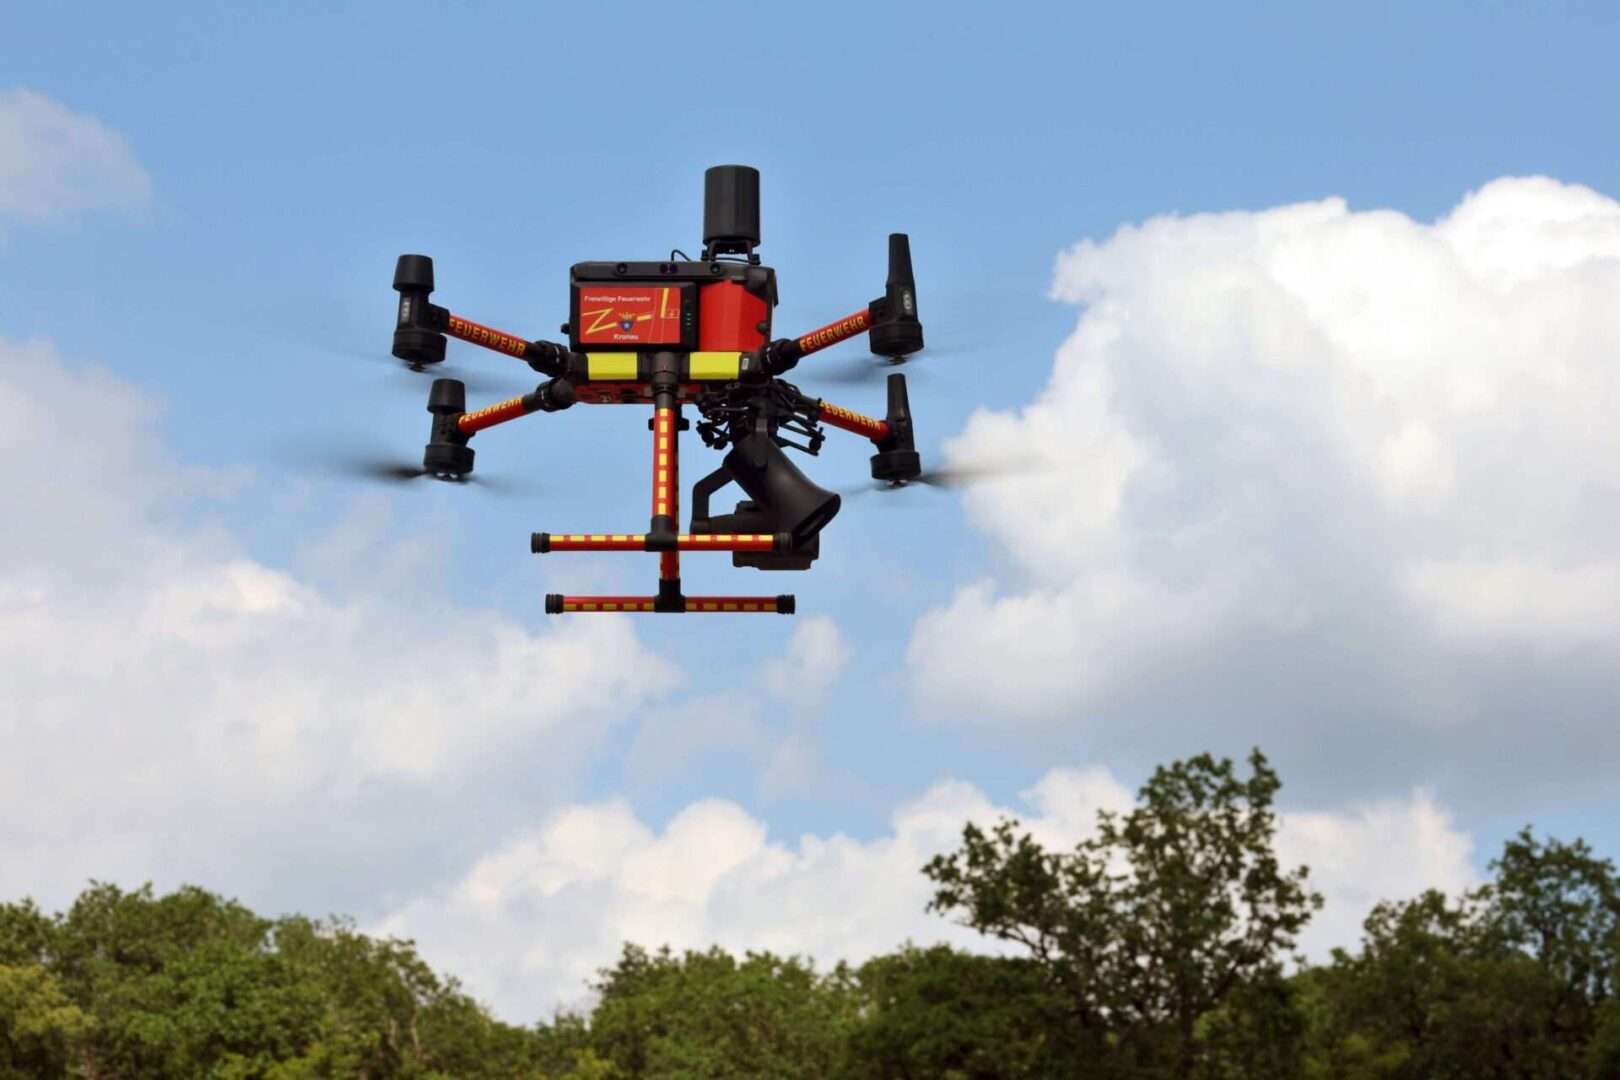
(676,334)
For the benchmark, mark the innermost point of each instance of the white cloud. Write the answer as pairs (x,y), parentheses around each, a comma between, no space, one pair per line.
(536,917)
(1321,465)
(737,721)
(1391,849)
(56,164)
(175,709)
(815,658)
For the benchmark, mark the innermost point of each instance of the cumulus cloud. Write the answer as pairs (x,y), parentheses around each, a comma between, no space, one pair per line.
(815,657)
(56,164)
(1339,482)
(742,722)
(536,917)
(178,710)
(1388,849)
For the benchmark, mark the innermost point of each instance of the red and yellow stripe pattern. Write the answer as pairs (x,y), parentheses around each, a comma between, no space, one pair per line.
(717,604)
(834,332)
(664,503)
(498,413)
(489,338)
(726,542)
(607,603)
(732,603)
(683,542)
(597,542)
(839,417)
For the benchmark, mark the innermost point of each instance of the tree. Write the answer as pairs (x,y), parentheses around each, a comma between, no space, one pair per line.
(1561,904)
(708,1014)
(1432,994)
(1155,920)
(189,984)
(1512,980)
(938,1012)
(39,1027)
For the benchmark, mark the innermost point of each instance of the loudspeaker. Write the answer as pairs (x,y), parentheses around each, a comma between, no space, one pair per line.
(776,484)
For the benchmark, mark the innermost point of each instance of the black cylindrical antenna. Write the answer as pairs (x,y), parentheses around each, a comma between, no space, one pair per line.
(896,330)
(730,210)
(900,262)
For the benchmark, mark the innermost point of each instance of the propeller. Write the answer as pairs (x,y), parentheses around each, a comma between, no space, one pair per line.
(393,471)
(476,383)
(332,327)
(351,463)
(959,476)
(866,369)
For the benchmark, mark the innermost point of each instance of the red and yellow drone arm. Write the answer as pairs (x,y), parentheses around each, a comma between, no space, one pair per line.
(834,332)
(487,337)
(552,396)
(422,326)
(546,357)
(891,319)
(849,420)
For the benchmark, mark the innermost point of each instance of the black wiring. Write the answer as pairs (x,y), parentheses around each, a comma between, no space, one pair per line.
(728,416)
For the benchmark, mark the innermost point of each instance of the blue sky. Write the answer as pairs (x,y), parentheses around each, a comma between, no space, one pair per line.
(292,153)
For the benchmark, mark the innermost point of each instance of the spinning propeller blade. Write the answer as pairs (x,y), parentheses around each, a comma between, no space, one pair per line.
(865,369)
(476,383)
(348,463)
(960,476)
(334,328)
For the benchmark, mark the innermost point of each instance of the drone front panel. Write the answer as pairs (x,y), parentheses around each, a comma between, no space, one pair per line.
(625,316)
(711,307)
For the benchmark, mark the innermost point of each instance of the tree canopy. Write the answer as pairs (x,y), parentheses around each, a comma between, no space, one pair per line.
(1157,947)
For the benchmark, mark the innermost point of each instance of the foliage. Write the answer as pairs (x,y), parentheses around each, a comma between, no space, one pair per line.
(1154,921)
(1154,949)
(127,984)
(708,1014)
(1515,979)
(938,1012)
(38,1024)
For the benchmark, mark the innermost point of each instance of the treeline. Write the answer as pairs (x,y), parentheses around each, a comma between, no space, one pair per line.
(1161,947)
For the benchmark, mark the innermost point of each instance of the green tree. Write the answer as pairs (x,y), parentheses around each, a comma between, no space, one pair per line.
(1560,904)
(708,1014)
(40,1029)
(191,985)
(1156,920)
(939,1012)
(1512,980)
(1431,994)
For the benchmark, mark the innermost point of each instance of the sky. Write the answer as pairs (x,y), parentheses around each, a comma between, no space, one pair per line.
(1306,316)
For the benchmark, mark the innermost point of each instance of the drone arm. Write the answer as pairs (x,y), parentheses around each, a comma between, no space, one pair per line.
(782,354)
(896,459)
(423,325)
(834,332)
(546,357)
(891,319)
(849,420)
(553,396)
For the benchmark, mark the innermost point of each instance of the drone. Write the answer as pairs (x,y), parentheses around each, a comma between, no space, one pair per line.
(671,335)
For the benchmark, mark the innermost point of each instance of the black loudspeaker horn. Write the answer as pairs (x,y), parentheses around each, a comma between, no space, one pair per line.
(776,484)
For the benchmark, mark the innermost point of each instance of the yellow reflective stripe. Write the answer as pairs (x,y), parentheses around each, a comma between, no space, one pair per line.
(715,365)
(610,366)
